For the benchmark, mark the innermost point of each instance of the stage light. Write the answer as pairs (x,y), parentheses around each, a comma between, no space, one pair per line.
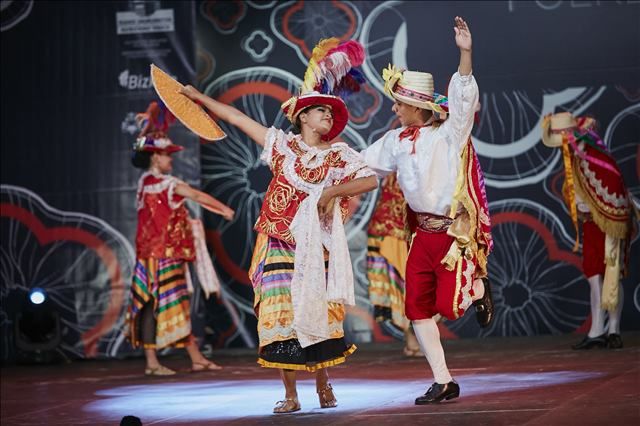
(37,296)
(37,328)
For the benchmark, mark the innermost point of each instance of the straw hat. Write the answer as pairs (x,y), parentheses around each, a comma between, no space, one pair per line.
(555,126)
(413,88)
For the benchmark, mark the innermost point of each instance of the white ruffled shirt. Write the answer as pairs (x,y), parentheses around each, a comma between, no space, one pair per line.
(428,177)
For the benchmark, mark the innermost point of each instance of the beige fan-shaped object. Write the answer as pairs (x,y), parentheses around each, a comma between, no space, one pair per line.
(185,110)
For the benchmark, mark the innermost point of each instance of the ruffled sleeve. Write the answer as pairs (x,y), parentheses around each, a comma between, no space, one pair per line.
(174,199)
(270,144)
(380,156)
(354,166)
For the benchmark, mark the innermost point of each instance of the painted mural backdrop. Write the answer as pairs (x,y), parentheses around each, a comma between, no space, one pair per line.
(80,73)
(527,63)
(74,74)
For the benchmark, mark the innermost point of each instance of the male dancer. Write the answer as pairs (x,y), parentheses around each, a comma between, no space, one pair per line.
(440,177)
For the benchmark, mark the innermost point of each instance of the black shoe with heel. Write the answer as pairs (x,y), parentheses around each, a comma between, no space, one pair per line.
(484,306)
(591,342)
(614,341)
(438,392)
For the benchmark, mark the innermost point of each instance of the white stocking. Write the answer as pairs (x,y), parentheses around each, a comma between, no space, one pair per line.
(614,316)
(428,337)
(478,289)
(597,313)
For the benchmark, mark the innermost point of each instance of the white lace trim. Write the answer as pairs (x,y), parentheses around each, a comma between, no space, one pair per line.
(167,182)
(270,138)
(467,275)
(602,191)
(313,157)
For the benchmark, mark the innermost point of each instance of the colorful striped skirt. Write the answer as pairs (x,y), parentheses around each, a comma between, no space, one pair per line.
(271,273)
(161,282)
(386,282)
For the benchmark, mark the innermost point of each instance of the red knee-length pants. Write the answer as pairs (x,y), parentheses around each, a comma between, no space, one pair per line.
(592,249)
(430,288)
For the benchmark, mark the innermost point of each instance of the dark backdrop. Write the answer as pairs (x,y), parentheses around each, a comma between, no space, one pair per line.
(74,74)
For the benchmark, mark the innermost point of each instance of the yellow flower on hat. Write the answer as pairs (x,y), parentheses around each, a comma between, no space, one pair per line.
(391,75)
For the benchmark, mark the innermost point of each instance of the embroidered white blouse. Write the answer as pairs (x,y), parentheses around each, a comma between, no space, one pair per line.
(428,177)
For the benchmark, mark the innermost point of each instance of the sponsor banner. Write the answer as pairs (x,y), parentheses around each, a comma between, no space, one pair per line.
(160,21)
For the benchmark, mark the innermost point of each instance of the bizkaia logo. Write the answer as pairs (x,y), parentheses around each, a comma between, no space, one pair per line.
(134,81)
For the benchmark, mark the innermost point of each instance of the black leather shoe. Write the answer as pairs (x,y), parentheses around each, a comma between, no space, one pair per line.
(484,306)
(591,342)
(438,392)
(614,341)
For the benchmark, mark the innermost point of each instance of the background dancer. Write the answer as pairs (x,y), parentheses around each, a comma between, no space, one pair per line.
(159,312)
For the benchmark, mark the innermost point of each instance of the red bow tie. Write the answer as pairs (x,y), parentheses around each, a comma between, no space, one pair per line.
(411,133)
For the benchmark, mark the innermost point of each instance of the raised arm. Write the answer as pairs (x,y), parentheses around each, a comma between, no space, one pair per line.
(463,41)
(205,200)
(463,90)
(231,115)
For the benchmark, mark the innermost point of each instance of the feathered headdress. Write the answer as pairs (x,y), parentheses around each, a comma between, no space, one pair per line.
(156,119)
(330,77)
(331,69)
(154,124)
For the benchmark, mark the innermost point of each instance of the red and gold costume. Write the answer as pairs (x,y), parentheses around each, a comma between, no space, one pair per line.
(594,191)
(164,242)
(387,251)
(164,230)
(283,199)
(608,214)
(300,172)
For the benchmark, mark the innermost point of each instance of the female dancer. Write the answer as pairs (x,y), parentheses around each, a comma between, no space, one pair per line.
(300,301)
(159,313)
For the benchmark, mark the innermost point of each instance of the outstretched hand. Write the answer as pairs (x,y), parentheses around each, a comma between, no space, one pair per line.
(463,34)
(228,213)
(190,92)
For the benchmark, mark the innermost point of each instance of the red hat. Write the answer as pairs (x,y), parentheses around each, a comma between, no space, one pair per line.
(330,76)
(294,106)
(153,125)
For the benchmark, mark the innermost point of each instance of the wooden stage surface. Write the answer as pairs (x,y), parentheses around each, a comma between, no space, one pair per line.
(504,381)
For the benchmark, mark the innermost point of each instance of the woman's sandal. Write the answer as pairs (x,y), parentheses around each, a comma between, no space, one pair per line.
(412,353)
(326,397)
(161,370)
(205,366)
(287,405)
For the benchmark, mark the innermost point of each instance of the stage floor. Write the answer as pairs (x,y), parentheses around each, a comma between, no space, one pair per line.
(504,381)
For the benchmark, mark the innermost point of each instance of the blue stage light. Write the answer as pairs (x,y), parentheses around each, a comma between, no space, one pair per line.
(37,296)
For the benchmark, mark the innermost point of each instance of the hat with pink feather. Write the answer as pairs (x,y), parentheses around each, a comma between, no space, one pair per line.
(330,76)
